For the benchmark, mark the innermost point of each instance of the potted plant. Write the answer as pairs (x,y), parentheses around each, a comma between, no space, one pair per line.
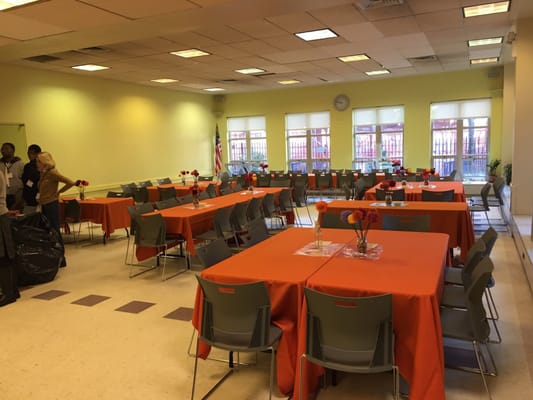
(493,167)
(508,173)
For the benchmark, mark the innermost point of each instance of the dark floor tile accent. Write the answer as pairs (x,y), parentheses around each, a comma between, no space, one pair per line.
(181,314)
(457,357)
(49,295)
(90,300)
(135,307)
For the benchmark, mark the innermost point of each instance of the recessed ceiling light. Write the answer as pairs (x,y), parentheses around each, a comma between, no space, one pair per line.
(163,80)
(289,82)
(378,72)
(485,9)
(90,67)
(485,42)
(213,89)
(248,71)
(355,57)
(316,35)
(484,60)
(5,4)
(190,53)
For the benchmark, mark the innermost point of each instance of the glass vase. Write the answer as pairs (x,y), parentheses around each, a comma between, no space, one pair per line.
(362,246)
(196,201)
(251,189)
(318,237)
(183,181)
(426,182)
(82,193)
(388,199)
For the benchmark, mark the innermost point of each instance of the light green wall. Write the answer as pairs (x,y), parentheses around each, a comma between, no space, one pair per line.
(106,131)
(415,93)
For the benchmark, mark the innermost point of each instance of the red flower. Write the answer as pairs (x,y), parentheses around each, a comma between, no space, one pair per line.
(195,172)
(361,219)
(81,182)
(392,183)
(184,172)
(321,207)
(385,185)
(249,177)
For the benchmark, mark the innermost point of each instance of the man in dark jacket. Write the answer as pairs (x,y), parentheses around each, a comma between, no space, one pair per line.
(30,180)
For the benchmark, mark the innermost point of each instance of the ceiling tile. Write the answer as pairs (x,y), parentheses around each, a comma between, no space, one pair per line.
(140,9)
(297,22)
(223,34)
(15,27)
(359,32)
(428,6)
(440,20)
(397,26)
(258,29)
(341,15)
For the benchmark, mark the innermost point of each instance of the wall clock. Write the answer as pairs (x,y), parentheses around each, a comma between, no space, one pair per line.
(341,102)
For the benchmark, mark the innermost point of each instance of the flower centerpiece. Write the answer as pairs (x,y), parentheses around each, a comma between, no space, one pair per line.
(321,207)
(263,166)
(183,175)
(195,191)
(425,177)
(81,184)
(361,219)
(195,174)
(250,178)
(387,187)
(396,164)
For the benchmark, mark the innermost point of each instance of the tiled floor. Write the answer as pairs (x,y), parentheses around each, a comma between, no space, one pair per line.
(67,339)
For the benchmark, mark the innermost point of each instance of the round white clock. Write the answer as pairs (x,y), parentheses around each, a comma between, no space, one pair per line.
(341,102)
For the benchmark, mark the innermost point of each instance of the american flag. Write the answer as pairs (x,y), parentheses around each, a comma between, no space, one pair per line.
(218,153)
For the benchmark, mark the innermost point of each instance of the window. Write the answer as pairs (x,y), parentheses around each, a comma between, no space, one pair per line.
(247,143)
(377,137)
(460,138)
(308,145)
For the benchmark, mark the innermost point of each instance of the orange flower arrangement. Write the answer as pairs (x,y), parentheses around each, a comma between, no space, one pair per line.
(321,207)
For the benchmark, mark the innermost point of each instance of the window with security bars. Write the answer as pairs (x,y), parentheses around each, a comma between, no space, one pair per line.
(247,142)
(460,138)
(377,137)
(308,142)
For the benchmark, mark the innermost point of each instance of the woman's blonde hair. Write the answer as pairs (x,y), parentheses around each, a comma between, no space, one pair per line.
(46,159)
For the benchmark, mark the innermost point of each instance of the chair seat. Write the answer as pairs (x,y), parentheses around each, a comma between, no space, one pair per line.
(453,296)
(453,275)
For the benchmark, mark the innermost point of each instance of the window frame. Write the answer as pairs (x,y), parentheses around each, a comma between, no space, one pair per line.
(249,126)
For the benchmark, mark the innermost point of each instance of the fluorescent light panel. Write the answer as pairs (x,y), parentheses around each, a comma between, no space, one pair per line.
(316,35)
(485,42)
(484,60)
(355,57)
(248,71)
(378,72)
(289,82)
(164,80)
(214,89)
(190,53)
(485,9)
(90,67)
(5,4)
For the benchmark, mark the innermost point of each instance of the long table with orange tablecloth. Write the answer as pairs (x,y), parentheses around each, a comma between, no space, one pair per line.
(188,221)
(110,212)
(452,218)
(413,190)
(286,273)
(411,268)
(181,189)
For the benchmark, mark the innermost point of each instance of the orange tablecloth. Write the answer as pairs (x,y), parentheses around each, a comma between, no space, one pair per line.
(285,274)
(451,218)
(413,190)
(181,190)
(189,221)
(110,212)
(411,268)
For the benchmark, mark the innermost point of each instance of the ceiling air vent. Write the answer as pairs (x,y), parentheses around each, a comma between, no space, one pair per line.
(422,59)
(264,74)
(370,4)
(93,50)
(43,58)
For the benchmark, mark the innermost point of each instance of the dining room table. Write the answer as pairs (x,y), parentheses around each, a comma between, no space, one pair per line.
(188,221)
(452,218)
(413,190)
(109,212)
(410,266)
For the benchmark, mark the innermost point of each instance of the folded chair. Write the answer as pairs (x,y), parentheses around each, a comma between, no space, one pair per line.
(350,334)
(236,318)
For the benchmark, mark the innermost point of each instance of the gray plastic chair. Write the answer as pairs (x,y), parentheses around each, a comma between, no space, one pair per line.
(140,194)
(222,227)
(253,211)
(472,325)
(236,318)
(163,181)
(332,220)
(350,334)
(168,203)
(270,210)
(145,184)
(213,252)
(257,232)
(211,190)
(166,193)
(416,223)
(443,195)
(397,195)
(484,207)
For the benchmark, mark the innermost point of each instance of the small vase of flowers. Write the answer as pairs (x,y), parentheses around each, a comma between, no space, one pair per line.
(81,184)
(361,219)
(321,207)
(195,174)
(183,176)
(263,166)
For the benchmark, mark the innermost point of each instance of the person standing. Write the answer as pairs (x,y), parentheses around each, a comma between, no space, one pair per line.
(12,167)
(8,279)
(30,180)
(48,196)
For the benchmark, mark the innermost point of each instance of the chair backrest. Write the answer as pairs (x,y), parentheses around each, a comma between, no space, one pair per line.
(280,182)
(167,203)
(397,195)
(263,179)
(253,211)
(269,205)
(145,184)
(127,189)
(137,210)
(300,179)
(166,193)
(237,187)
(257,232)
(473,257)
(353,332)
(150,230)
(205,178)
(332,220)
(213,252)
(443,195)
(489,238)
(186,199)
(345,180)
(300,195)
(144,208)
(203,195)
(115,194)
(484,193)
(368,179)
(226,190)
(72,211)
(211,190)
(162,181)
(474,295)
(140,194)
(418,223)
(238,217)
(285,200)
(452,174)
(235,314)
(240,180)
(497,186)
(222,220)
(323,180)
